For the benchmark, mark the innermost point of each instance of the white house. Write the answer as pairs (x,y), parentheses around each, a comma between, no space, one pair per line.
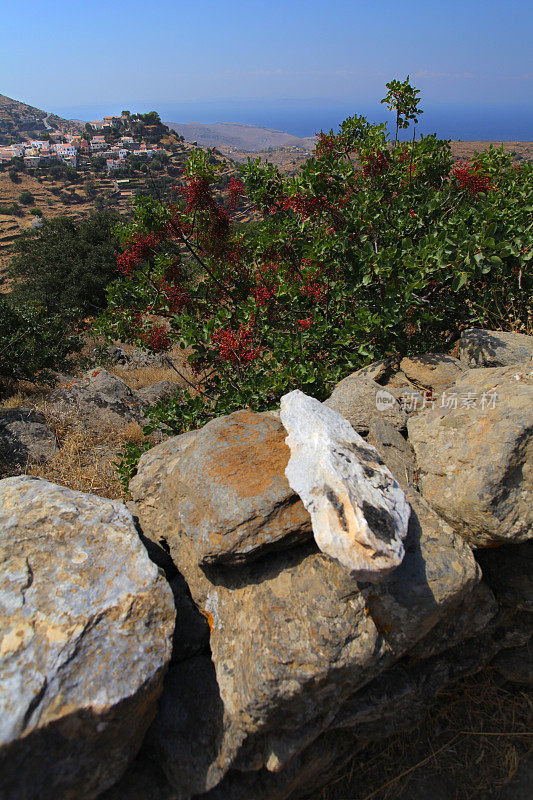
(112,164)
(38,144)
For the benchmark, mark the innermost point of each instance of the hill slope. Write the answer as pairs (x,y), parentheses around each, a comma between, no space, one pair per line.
(20,121)
(250,138)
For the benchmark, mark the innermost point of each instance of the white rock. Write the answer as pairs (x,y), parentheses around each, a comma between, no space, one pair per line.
(358,511)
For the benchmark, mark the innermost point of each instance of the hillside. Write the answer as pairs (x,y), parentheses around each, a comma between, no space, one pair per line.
(250,138)
(19,121)
(75,188)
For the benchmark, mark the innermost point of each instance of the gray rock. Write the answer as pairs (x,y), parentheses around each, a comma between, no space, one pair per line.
(24,437)
(157,391)
(100,401)
(116,354)
(476,459)
(516,664)
(358,511)
(361,401)
(481,348)
(222,491)
(395,451)
(293,636)
(378,371)
(86,622)
(434,371)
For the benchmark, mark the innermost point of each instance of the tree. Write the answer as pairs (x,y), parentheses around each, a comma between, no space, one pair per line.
(152,118)
(32,343)
(402,98)
(26,198)
(66,265)
(368,251)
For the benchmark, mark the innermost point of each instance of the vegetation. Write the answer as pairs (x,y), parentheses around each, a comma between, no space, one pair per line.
(32,342)
(67,265)
(373,249)
(26,198)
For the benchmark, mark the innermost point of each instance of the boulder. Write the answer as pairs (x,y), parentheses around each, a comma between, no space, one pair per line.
(475,455)
(100,401)
(86,623)
(358,511)
(220,493)
(293,634)
(157,391)
(481,348)
(378,371)
(360,401)
(516,664)
(24,437)
(433,371)
(396,452)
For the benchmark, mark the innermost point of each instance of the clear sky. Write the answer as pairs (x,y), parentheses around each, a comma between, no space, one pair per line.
(61,53)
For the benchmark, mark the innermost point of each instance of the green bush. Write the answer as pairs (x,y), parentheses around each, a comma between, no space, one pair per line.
(374,248)
(26,198)
(36,212)
(32,342)
(66,265)
(12,210)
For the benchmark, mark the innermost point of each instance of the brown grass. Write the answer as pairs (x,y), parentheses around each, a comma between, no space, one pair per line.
(470,745)
(86,459)
(147,376)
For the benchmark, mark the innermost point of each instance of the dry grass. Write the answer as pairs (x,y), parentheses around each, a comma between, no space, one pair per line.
(147,376)
(86,459)
(470,745)
(25,394)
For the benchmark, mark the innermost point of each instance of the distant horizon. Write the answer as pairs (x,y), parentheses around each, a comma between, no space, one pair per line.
(303,118)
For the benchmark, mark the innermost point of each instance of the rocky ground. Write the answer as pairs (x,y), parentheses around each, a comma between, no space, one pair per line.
(204,640)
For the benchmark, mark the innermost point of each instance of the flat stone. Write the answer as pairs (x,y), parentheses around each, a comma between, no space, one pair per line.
(361,401)
(378,371)
(223,489)
(475,454)
(157,391)
(481,348)
(433,371)
(100,401)
(516,664)
(358,510)
(24,437)
(86,623)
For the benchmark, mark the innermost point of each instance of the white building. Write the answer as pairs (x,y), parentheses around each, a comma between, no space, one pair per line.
(38,144)
(114,164)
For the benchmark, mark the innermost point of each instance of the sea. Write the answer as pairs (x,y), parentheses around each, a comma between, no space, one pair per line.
(484,122)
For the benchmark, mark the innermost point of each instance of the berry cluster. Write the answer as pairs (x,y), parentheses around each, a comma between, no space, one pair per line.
(236,346)
(469,177)
(140,248)
(157,339)
(376,162)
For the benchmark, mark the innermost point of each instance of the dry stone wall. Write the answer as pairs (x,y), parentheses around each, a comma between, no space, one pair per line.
(207,642)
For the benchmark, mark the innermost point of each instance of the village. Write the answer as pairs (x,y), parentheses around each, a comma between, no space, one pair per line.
(74,148)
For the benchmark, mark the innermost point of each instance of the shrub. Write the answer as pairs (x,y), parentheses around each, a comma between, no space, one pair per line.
(26,198)
(32,342)
(67,265)
(12,209)
(36,212)
(374,248)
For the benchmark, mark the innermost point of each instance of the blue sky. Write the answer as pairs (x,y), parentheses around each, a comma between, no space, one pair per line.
(61,54)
